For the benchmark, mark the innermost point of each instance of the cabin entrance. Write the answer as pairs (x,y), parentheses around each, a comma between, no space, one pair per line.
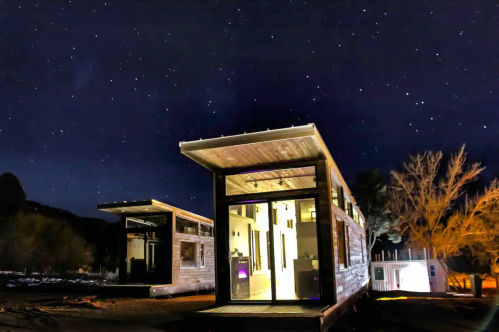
(149,250)
(274,251)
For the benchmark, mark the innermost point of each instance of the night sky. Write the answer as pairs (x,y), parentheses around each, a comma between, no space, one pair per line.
(95,96)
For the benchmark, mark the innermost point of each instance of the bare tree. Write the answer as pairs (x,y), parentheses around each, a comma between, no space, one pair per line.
(426,206)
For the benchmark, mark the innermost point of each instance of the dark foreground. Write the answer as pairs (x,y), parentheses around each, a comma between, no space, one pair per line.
(39,312)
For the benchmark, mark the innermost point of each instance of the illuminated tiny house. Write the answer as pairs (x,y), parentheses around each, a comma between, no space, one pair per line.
(165,248)
(287,227)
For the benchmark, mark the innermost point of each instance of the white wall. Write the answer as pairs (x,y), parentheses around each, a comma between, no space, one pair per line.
(413,276)
(440,282)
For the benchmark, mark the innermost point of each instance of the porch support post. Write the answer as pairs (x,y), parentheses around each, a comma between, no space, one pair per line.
(222,248)
(123,252)
(325,236)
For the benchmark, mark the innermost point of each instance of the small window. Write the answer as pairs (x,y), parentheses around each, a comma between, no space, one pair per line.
(290,223)
(355,216)
(185,226)
(379,273)
(342,249)
(202,254)
(188,254)
(362,248)
(336,198)
(270,181)
(206,230)
(347,245)
(433,272)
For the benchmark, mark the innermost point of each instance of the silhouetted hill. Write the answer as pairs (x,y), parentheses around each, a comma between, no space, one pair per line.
(103,236)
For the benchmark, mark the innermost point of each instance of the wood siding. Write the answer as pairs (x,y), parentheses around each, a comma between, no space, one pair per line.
(351,279)
(183,276)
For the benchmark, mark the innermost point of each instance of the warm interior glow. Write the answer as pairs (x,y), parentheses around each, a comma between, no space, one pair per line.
(295,250)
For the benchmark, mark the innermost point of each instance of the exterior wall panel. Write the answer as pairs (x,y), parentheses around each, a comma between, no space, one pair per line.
(350,280)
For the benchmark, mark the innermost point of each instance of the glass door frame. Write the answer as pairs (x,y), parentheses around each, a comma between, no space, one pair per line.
(269,202)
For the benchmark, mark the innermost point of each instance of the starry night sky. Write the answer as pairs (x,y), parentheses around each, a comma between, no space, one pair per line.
(95,96)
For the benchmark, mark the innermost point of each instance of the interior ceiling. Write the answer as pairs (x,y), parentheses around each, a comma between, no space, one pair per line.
(268,181)
(262,153)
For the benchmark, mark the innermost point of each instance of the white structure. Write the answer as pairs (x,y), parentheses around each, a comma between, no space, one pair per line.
(439,282)
(418,275)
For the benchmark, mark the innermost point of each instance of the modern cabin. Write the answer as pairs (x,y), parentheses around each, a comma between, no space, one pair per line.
(164,248)
(287,228)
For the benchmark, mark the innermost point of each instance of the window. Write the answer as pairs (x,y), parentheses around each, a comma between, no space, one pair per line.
(336,198)
(307,211)
(185,226)
(141,222)
(335,190)
(257,252)
(206,230)
(362,248)
(270,181)
(187,254)
(347,245)
(355,216)
(342,249)
(433,273)
(341,198)
(379,273)
(346,206)
(202,253)
(290,223)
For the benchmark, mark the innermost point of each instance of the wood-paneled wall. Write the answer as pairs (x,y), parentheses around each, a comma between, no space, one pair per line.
(350,280)
(182,276)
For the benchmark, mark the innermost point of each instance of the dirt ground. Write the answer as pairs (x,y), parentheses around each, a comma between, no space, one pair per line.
(45,312)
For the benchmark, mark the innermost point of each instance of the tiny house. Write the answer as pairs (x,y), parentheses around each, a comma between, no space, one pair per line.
(287,228)
(163,248)
(410,271)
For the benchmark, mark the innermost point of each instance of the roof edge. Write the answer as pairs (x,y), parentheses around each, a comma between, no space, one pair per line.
(249,138)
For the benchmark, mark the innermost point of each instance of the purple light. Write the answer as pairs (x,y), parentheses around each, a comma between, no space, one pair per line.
(243,274)
(253,201)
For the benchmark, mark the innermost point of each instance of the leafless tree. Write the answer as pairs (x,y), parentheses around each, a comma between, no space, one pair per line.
(426,206)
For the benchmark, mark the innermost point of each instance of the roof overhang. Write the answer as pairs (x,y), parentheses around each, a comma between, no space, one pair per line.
(301,143)
(147,207)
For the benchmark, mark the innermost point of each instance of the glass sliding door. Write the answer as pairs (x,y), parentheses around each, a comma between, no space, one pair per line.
(250,266)
(295,249)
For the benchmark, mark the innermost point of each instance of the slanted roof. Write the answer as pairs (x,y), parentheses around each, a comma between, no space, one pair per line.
(148,206)
(301,143)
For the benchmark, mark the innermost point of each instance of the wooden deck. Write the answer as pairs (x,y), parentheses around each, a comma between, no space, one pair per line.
(281,311)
